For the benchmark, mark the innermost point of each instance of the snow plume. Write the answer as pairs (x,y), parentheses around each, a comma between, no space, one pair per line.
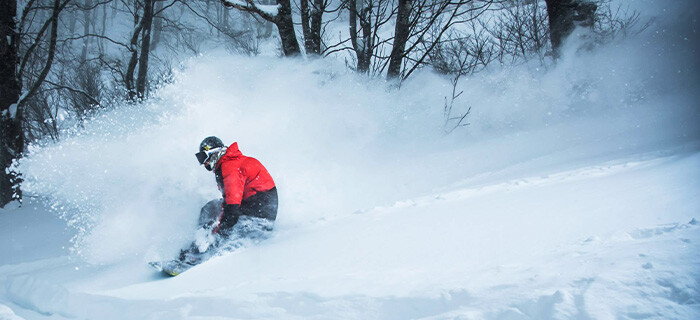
(338,143)
(129,180)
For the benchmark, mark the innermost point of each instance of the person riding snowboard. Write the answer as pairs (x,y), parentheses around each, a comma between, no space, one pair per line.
(248,207)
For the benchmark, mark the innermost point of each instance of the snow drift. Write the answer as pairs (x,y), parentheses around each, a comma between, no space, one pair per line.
(563,171)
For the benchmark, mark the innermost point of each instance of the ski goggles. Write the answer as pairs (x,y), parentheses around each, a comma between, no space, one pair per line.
(203,156)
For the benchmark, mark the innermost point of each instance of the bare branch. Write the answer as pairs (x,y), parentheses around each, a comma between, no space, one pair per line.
(63,87)
(52,51)
(128,47)
(250,7)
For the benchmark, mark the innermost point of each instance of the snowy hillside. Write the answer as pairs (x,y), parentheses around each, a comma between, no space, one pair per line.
(572,194)
(593,242)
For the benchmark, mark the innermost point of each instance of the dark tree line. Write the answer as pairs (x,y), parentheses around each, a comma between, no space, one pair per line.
(11,136)
(18,69)
(61,60)
(69,58)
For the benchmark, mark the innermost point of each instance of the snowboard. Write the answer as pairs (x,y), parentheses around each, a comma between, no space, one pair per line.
(208,220)
(171,267)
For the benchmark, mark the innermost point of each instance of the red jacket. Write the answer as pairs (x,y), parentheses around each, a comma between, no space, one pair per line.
(241,177)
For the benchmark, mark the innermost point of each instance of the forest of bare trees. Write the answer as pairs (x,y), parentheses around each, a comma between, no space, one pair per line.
(63,60)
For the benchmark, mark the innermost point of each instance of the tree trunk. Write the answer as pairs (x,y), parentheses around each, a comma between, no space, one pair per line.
(352,22)
(305,25)
(145,48)
(103,31)
(363,46)
(11,137)
(316,25)
(367,44)
(285,26)
(11,103)
(86,31)
(158,26)
(311,23)
(130,69)
(9,59)
(133,60)
(400,38)
(282,19)
(563,16)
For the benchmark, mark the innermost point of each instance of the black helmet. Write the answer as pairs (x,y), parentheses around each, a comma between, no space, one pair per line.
(210,143)
(207,147)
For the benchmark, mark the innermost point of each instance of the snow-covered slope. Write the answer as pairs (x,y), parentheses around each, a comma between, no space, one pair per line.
(571,195)
(615,240)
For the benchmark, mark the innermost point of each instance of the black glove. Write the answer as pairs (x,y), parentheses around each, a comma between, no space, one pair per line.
(231,214)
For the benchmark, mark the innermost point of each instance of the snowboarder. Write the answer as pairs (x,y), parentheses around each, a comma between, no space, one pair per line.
(246,186)
(247,210)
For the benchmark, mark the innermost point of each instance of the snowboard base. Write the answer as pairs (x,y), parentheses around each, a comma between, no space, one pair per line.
(171,267)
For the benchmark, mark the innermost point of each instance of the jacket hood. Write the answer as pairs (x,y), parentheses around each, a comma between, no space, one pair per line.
(232,152)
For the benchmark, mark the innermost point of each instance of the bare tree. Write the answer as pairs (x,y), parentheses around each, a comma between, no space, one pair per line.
(401,34)
(311,24)
(11,136)
(88,89)
(143,13)
(366,19)
(240,39)
(464,51)
(432,20)
(148,13)
(157,26)
(86,30)
(419,29)
(133,52)
(520,30)
(305,25)
(280,15)
(452,121)
(22,66)
(42,106)
(620,21)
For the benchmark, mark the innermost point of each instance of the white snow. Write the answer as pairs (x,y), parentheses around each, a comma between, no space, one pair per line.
(7,314)
(572,194)
(12,110)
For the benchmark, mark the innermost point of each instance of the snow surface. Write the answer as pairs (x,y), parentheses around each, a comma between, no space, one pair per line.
(571,195)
